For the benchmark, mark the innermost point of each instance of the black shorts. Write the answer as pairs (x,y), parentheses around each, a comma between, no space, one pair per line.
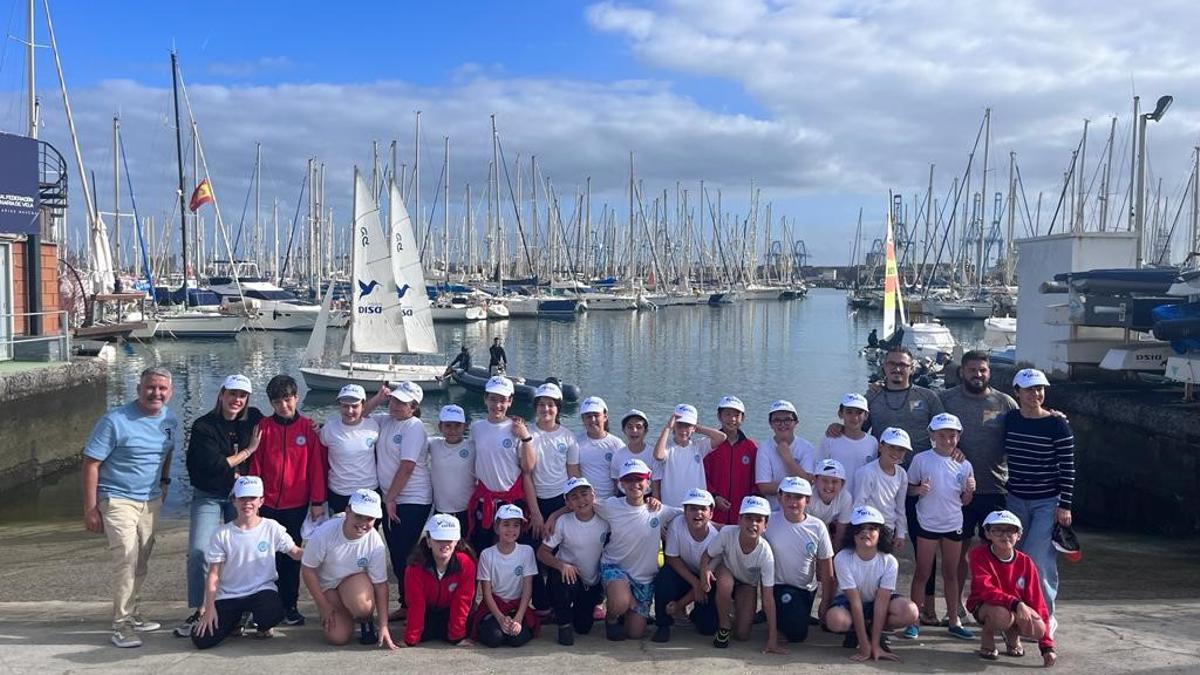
(979,508)
(918,532)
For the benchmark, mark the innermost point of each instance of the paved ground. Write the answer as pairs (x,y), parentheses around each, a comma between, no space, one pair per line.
(1132,605)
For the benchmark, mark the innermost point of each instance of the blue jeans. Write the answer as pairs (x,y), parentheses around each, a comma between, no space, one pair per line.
(209,512)
(1037,520)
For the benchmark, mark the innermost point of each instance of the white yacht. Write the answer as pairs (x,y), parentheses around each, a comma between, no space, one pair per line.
(240,282)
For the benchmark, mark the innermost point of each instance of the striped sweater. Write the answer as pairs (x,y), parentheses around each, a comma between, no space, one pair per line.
(1041,457)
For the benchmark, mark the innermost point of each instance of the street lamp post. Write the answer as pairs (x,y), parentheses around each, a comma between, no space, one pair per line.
(1160,109)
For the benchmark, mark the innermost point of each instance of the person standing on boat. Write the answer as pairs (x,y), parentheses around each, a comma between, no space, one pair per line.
(126,464)
(729,468)
(462,361)
(497,359)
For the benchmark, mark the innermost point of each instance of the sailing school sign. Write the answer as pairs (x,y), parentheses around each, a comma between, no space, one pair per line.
(18,184)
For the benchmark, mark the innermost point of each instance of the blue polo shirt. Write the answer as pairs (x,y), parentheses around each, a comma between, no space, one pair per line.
(131,447)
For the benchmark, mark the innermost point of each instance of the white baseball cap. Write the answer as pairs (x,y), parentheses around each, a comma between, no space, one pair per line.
(366,503)
(509,512)
(1002,518)
(1030,377)
(732,402)
(443,527)
(634,466)
(248,486)
(408,392)
(945,421)
(593,404)
(855,401)
(862,515)
(782,406)
(698,497)
(896,436)
(352,391)
(687,414)
(831,468)
(549,390)
(574,483)
(753,505)
(238,382)
(795,485)
(498,384)
(452,413)
(634,412)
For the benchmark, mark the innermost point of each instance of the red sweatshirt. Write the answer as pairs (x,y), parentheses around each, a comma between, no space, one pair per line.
(729,472)
(291,462)
(995,582)
(455,591)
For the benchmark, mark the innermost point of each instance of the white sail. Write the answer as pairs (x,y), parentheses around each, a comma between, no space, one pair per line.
(376,326)
(416,311)
(316,340)
(102,273)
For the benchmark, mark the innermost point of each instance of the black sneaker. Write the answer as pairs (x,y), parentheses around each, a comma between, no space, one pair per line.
(760,617)
(367,635)
(662,634)
(851,640)
(614,631)
(1066,543)
(185,629)
(885,644)
(721,641)
(566,635)
(293,617)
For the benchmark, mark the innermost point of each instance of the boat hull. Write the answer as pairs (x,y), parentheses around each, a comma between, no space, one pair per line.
(371,375)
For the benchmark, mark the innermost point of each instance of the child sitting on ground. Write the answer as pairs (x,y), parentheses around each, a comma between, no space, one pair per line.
(678,582)
(505,574)
(572,555)
(439,584)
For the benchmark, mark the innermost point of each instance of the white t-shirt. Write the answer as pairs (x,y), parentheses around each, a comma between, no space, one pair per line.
(941,509)
(554,450)
(683,469)
(580,543)
(336,557)
(624,454)
(399,441)
(867,576)
(635,535)
(595,462)
(851,453)
(768,468)
(452,467)
(756,567)
(837,510)
(506,572)
(351,454)
(797,548)
(247,557)
(497,462)
(885,493)
(681,544)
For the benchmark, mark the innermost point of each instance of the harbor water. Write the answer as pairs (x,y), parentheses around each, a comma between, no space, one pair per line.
(806,351)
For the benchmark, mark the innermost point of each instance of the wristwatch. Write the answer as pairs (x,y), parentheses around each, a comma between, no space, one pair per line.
(165,480)
(527,439)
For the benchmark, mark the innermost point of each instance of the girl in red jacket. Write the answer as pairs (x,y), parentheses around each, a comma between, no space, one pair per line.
(1006,593)
(439,584)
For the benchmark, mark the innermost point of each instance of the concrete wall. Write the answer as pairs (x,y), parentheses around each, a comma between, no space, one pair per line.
(46,414)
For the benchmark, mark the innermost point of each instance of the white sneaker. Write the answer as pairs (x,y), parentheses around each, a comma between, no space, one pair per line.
(141,625)
(124,636)
(185,629)
(1053,628)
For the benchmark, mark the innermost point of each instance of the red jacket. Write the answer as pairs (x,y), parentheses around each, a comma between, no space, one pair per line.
(995,582)
(455,591)
(729,472)
(291,462)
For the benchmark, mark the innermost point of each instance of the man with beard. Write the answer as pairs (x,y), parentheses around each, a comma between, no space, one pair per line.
(981,410)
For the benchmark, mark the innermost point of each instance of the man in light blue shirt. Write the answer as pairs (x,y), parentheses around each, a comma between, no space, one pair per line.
(126,465)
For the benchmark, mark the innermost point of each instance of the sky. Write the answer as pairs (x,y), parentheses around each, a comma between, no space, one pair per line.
(823,105)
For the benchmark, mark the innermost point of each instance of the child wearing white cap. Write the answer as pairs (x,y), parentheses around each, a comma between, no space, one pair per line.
(747,565)
(597,448)
(241,569)
(883,484)
(831,502)
(557,457)
(505,575)
(682,455)
(729,468)
(803,556)
(452,464)
(634,426)
(784,454)
(439,584)
(402,467)
(678,582)
(572,555)
(345,570)
(349,439)
(854,448)
(942,487)
(503,453)
(868,602)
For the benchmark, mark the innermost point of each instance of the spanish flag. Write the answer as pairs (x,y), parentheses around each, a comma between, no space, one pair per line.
(201,196)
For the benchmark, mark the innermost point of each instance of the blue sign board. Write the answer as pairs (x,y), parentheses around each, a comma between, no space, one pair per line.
(18,184)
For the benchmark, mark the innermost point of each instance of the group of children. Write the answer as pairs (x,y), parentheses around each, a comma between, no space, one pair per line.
(544,525)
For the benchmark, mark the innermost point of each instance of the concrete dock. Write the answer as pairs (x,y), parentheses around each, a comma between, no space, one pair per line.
(1133,604)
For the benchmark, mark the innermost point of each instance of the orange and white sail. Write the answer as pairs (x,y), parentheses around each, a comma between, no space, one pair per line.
(892,301)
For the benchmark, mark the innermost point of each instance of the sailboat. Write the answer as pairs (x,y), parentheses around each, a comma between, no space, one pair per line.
(390,313)
(924,340)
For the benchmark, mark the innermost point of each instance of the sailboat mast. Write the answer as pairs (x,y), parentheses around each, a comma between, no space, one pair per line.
(987,141)
(446,211)
(179,162)
(417,183)
(257,202)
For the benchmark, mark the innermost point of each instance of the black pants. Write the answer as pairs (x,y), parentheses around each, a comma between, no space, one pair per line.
(573,603)
(793,607)
(437,625)
(541,598)
(910,512)
(402,536)
(337,503)
(264,605)
(490,634)
(288,569)
(669,587)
